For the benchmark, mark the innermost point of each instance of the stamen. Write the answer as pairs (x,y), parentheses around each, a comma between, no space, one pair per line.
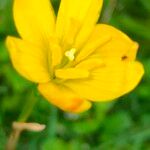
(70,54)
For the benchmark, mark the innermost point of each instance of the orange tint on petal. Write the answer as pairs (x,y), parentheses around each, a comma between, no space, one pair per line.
(63,98)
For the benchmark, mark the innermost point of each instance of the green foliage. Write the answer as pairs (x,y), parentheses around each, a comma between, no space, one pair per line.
(119,125)
(3,139)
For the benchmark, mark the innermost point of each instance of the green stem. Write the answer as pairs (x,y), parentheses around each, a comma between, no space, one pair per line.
(28,107)
(52,122)
(27,110)
(108,12)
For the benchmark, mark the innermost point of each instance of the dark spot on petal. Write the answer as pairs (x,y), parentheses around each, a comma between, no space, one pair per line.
(124,57)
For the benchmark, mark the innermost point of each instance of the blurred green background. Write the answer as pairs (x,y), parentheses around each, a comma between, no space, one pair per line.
(117,125)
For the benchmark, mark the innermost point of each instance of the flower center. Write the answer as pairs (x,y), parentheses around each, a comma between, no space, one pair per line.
(70,54)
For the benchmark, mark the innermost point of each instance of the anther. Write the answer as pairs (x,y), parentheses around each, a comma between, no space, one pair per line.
(70,54)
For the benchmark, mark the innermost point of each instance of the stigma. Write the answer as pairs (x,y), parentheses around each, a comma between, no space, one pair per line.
(70,54)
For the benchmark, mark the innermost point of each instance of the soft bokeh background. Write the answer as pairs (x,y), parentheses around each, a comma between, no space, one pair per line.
(119,125)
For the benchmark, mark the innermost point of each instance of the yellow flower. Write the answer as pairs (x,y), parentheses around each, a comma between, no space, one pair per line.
(73,60)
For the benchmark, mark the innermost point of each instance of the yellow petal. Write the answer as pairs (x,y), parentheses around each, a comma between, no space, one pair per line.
(30,61)
(70,35)
(34,19)
(86,12)
(90,64)
(120,46)
(63,98)
(91,46)
(89,23)
(71,73)
(83,107)
(109,82)
(56,52)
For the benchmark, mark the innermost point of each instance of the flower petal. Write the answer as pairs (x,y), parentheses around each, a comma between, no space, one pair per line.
(63,98)
(86,12)
(90,64)
(89,23)
(71,73)
(30,61)
(34,19)
(56,52)
(109,82)
(91,46)
(113,44)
